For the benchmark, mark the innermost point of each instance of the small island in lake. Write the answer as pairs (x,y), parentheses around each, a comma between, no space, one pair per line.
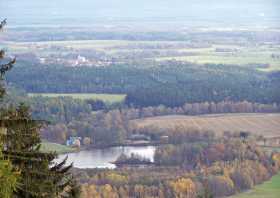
(132,160)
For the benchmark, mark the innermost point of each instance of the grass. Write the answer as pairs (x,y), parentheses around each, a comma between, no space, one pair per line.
(271,149)
(269,189)
(58,148)
(267,125)
(241,58)
(107,98)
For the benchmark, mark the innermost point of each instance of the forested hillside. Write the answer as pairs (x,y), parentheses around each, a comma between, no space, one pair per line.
(171,83)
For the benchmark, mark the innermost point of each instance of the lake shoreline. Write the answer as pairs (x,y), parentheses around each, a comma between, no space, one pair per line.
(133,144)
(103,158)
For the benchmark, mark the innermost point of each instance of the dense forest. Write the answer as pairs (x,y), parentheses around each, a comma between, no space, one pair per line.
(171,83)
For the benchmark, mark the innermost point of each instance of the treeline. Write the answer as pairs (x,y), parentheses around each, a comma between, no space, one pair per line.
(202,108)
(66,109)
(190,155)
(213,169)
(111,124)
(114,127)
(171,83)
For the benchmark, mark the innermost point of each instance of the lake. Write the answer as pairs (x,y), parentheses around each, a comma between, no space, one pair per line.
(102,158)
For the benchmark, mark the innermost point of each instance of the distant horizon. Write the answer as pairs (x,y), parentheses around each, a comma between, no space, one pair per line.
(134,13)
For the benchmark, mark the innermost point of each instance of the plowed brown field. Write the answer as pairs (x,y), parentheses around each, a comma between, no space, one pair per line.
(267,125)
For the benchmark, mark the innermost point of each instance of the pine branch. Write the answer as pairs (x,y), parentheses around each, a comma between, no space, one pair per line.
(65,169)
(6,67)
(15,122)
(60,165)
(2,54)
(3,23)
(28,155)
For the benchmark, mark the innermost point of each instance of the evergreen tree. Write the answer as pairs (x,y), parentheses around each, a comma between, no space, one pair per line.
(4,67)
(39,176)
(8,176)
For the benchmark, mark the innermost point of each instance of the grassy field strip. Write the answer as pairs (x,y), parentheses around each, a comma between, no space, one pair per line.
(108,98)
(269,189)
(227,58)
(267,125)
(58,148)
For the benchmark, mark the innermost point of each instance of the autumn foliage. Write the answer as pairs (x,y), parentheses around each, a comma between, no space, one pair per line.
(216,168)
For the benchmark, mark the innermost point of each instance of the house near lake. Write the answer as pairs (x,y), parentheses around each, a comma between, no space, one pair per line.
(74,141)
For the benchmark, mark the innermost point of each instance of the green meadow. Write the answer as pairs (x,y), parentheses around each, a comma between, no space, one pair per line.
(58,148)
(107,98)
(269,189)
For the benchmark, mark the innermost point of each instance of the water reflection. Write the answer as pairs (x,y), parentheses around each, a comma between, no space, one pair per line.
(102,158)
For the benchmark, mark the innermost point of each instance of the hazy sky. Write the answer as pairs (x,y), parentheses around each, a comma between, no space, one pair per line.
(30,12)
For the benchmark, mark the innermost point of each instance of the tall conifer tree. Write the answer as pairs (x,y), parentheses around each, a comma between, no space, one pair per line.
(8,175)
(39,176)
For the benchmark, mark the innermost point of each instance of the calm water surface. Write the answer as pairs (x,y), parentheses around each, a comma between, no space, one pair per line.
(102,158)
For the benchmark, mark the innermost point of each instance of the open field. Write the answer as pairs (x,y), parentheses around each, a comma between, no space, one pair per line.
(246,59)
(236,55)
(269,189)
(267,125)
(58,148)
(227,53)
(107,98)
